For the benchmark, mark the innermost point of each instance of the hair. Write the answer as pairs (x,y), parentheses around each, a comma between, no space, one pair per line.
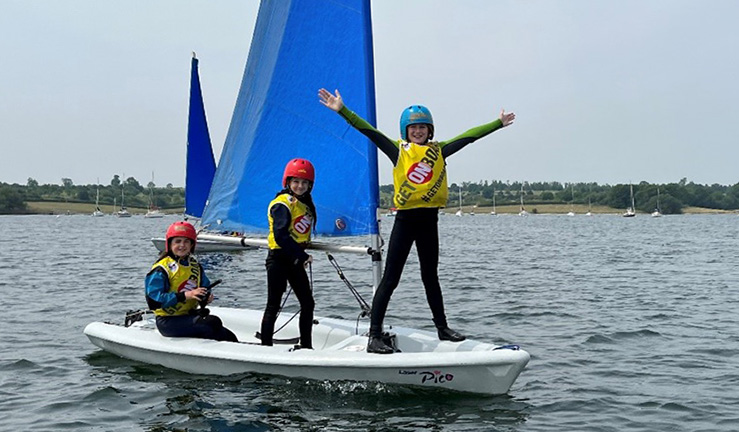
(306,199)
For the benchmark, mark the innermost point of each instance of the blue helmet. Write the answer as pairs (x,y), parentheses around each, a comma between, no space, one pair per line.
(415,114)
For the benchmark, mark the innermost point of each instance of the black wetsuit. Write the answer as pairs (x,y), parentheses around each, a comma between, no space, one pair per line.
(286,265)
(419,225)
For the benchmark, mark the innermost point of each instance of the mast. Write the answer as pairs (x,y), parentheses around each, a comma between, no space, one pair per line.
(521,196)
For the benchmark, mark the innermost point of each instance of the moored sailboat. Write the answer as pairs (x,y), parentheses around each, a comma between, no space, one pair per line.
(153,211)
(248,174)
(97,212)
(522,211)
(123,212)
(493,212)
(459,211)
(657,211)
(630,211)
(572,202)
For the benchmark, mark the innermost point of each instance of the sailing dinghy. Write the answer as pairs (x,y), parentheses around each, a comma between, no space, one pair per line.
(338,355)
(277,118)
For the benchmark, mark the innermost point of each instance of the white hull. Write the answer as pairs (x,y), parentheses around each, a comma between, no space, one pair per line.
(154,214)
(339,354)
(207,246)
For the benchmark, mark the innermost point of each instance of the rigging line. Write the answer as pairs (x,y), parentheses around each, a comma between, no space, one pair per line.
(362,303)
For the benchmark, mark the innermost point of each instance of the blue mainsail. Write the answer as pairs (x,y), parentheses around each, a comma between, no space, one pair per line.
(298,47)
(201,165)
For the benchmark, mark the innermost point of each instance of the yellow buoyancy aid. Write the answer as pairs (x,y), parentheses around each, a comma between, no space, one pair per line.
(182,277)
(419,176)
(301,222)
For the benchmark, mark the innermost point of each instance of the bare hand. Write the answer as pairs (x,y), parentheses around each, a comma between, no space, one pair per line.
(196,293)
(506,118)
(308,261)
(332,101)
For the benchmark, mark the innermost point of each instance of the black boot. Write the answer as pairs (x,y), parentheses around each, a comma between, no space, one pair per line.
(377,346)
(445,333)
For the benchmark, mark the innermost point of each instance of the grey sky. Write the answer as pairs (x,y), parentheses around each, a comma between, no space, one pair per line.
(606,91)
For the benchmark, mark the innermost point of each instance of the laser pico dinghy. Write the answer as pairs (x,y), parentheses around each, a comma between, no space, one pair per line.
(339,354)
(277,118)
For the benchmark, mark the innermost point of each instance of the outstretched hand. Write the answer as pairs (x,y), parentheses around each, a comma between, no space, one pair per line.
(506,118)
(332,101)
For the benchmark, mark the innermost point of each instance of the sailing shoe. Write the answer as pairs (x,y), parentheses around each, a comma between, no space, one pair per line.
(450,335)
(378,346)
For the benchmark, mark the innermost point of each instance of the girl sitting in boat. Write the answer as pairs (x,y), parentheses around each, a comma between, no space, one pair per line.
(420,190)
(176,285)
(292,216)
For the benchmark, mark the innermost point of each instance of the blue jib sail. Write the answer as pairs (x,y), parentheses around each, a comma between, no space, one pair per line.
(201,165)
(298,47)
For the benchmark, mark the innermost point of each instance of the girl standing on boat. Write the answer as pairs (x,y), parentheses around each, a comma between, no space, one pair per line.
(292,216)
(176,285)
(420,189)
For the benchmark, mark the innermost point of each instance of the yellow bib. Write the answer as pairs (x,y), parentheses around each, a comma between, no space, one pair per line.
(419,176)
(181,278)
(301,220)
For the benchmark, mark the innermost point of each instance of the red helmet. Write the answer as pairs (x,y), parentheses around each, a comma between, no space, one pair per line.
(299,168)
(181,229)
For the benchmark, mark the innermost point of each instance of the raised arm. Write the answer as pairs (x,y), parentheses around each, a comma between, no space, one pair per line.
(335,103)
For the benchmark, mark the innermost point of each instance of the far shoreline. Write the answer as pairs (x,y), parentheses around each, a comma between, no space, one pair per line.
(67,208)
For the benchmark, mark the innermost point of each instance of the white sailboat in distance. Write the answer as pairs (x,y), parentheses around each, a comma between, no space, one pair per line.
(631,211)
(98,212)
(657,211)
(459,212)
(523,211)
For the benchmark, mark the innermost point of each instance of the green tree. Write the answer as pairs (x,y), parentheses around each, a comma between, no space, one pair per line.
(11,201)
(83,194)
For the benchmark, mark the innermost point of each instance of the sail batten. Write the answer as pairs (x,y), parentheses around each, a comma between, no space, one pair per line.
(278,117)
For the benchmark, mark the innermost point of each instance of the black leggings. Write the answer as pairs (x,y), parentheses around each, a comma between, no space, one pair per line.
(280,271)
(419,226)
(209,327)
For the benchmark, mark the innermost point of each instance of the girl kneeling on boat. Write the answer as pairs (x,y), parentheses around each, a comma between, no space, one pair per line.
(420,189)
(292,216)
(176,285)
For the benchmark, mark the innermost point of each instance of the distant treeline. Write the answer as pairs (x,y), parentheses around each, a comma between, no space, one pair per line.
(673,197)
(14,197)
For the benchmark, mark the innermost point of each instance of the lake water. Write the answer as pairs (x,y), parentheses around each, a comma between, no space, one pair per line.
(631,325)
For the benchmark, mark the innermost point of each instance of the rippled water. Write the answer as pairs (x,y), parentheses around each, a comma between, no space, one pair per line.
(631,324)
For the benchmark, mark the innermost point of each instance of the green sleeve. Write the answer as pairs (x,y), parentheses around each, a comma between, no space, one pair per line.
(385,144)
(449,147)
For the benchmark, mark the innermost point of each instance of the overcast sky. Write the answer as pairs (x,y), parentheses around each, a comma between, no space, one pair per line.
(610,91)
